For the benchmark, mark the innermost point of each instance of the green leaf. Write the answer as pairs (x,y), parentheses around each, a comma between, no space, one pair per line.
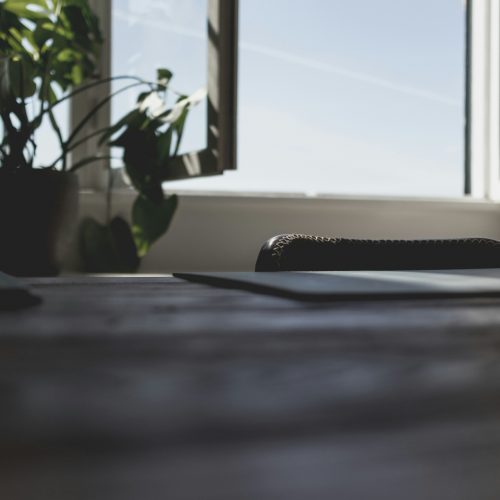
(150,220)
(68,55)
(163,77)
(76,19)
(140,160)
(5,92)
(52,96)
(124,245)
(77,74)
(178,126)
(164,144)
(96,249)
(135,118)
(21,75)
(22,8)
(107,249)
(41,35)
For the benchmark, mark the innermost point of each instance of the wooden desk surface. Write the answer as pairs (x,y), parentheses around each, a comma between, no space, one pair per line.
(146,388)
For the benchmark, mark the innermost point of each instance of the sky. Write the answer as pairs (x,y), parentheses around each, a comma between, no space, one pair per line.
(335,97)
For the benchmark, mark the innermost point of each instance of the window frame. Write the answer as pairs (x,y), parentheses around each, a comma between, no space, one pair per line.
(483,100)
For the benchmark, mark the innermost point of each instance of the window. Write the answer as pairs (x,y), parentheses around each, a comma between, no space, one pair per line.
(354,97)
(46,139)
(198,38)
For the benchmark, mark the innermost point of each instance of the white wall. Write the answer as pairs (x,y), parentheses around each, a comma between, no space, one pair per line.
(226,232)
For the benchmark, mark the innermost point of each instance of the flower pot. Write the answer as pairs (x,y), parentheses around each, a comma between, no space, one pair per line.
(38,212)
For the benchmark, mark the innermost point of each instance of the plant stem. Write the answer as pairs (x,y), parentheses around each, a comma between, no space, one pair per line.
(17,138)
(96,108)
(109,192)
(37,120)
(69,147)
(34,146)
(58,132)
(89,160)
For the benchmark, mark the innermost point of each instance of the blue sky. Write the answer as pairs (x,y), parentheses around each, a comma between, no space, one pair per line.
(335,96)
(355,97)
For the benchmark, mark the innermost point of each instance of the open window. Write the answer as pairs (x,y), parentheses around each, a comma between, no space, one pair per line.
(350,98)
(198,39)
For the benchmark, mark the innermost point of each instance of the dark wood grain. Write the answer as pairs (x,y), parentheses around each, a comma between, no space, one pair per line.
(125,388)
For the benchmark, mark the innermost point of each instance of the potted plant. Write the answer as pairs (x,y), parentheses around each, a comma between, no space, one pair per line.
(49,51)
(149,136)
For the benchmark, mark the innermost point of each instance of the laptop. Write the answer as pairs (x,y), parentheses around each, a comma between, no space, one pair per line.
(351,285)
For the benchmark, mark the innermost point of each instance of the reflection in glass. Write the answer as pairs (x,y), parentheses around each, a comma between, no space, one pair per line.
(151,34)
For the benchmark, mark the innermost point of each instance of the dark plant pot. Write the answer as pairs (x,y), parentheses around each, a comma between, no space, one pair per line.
(38,212)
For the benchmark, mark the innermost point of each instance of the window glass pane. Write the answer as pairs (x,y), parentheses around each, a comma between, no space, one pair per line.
(349,97)
(152,34)
(48,147)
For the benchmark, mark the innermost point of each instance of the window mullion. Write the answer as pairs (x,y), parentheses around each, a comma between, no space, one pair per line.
(494,102)
(485,100)
(94,176)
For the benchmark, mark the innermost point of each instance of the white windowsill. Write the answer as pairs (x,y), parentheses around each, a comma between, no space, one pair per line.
(124,193)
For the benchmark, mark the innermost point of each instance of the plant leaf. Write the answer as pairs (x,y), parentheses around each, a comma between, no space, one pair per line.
(124,245)
(96,249)
(140,160)
(108,249)
(164,145)
(22,75)
(163,77)
(150,220)
(132,118)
